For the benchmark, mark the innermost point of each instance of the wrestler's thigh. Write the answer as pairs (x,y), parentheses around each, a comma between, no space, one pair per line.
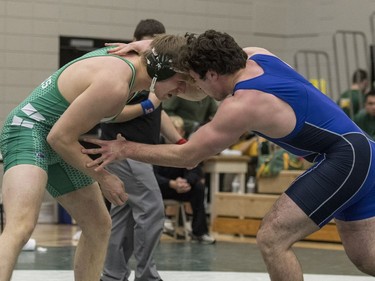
(86,205)
(23,188)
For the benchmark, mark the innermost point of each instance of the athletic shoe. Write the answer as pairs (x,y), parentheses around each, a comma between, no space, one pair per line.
(204,239)
(168,227)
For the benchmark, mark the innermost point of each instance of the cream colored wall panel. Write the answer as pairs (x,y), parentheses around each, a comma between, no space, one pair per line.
(73,13)
(18,60)
(274,44)
(44,61)
(123,17)
(2,71)
(19,77)
(122,32)
(76,2)
(240,25)
(2,45)
(73,29)
(154,5)
(2,26)
(98,15)
(196,7)
(46,10)
(128,4)
(18,9)
(18,43)
(18,26)
(46,27)
(46,45)
(221,9)
(2,94)
(99,31)
(181,23)
(2,8)
(264,12)
(104,4)
(15,94)
(301,18)
(218,23)
(179,6)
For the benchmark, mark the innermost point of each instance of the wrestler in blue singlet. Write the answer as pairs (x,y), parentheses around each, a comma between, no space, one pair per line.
(341,184)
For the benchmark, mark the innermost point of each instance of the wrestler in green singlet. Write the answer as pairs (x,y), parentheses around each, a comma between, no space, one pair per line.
(23,139)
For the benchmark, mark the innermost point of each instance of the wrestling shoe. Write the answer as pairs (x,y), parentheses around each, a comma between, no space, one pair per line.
(203,239)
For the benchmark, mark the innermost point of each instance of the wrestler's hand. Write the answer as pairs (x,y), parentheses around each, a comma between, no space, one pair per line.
(113,189)
(123,49)
(110,151)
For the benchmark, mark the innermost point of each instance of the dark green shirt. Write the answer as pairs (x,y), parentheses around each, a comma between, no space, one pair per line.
(194,113)
(366,122)
(350,98)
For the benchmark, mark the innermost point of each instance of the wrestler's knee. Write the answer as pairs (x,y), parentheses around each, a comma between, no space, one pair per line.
(266,238)
(21,232)
(99,228)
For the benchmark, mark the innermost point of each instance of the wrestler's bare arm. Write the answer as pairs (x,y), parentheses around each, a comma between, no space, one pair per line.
(230,122)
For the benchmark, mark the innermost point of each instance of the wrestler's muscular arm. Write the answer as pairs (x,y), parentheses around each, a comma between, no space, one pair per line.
(227,126)
(245,111)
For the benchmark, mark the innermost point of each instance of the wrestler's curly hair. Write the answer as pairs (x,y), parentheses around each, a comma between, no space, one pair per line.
(211,50)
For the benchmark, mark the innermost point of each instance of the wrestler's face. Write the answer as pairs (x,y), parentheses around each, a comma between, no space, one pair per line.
(209,84)
(171,87)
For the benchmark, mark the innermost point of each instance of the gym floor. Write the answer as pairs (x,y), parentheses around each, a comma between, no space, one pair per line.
(231,257)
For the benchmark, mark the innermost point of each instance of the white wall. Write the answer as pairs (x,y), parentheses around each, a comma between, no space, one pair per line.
(29,29)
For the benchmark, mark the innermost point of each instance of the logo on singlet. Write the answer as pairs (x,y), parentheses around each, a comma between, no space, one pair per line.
(46,82)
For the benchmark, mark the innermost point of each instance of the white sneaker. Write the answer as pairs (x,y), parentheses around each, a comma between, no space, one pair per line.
(188,226)
(30,245)
(168,226)
(204,239)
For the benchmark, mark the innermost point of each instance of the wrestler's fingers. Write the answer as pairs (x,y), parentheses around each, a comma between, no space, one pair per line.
(94,141)
(123,197)
(102,165)
(113,44)
(92,150)
(95,162)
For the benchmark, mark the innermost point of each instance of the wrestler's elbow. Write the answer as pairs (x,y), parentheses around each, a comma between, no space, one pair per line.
(56,140)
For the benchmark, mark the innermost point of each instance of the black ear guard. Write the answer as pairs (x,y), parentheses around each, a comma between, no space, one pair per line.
(159,66)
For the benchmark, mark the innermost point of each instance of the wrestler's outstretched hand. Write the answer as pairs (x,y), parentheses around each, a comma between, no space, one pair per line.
(110,151)
(122,48)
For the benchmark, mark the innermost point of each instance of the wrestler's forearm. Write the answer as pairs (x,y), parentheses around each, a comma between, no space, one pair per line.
(162,155)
